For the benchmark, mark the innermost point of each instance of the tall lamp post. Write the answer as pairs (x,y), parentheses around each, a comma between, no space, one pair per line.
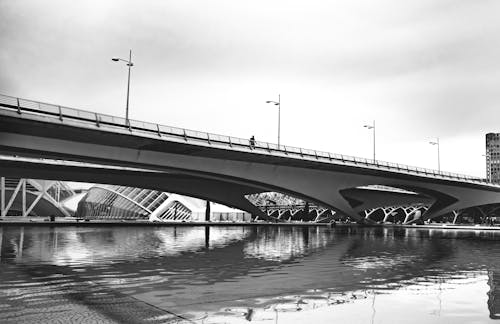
(439,158)
(129,64)
(372,127)
(277,103)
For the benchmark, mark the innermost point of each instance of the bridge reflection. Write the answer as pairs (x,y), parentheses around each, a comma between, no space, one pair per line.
(278,269)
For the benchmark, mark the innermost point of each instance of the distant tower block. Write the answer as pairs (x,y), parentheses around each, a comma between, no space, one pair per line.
(493,157)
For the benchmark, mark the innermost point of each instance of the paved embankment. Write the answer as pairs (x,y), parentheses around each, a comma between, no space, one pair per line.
(451,227)
(78,222)
(32,221)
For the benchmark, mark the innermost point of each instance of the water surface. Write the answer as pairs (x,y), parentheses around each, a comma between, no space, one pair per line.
(247,274)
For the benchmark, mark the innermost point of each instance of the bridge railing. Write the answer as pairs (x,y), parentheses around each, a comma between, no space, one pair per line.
(214,140)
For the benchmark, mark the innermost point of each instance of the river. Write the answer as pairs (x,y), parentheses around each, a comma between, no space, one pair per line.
(259,274)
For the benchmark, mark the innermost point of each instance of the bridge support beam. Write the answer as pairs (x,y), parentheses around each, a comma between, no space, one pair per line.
(456,213)
(24,198)
(2,197)
(416,214)
(229,194)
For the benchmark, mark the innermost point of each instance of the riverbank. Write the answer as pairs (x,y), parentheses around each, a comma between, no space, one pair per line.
(38,221)
(476,227)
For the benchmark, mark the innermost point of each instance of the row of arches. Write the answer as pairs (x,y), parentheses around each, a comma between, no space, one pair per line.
(285,208)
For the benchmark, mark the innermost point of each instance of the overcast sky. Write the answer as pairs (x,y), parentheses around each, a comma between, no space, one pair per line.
(422,69)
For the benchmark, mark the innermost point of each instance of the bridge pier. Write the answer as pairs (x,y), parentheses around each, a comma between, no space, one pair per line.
(456,213)
(387,213)
(2,196)
(207,211)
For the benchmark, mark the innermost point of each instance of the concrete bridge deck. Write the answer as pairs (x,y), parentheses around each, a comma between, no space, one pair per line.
(83,118)
(218,168)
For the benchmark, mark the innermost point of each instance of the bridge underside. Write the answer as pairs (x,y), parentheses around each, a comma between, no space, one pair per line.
(221,175)
(362,199)
(230,194)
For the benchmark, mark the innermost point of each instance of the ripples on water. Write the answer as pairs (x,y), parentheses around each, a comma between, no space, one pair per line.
(242,274)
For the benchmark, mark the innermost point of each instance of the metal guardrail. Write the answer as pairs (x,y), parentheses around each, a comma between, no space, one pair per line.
(214,140)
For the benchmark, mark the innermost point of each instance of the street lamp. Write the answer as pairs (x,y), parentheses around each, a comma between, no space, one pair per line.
(439,159)
(372,127)
(129,64)
(277,103)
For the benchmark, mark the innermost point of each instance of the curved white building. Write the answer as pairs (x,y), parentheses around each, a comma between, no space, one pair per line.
(121,202)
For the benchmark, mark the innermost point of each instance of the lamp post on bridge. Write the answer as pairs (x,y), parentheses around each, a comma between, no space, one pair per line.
(129,64)
(439,158)
(372,127)
(277,103)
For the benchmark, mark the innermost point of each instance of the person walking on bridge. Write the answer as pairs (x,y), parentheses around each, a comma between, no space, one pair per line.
(252,142)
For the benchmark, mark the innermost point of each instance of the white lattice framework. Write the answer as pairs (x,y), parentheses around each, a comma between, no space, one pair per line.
(175,211)
(409,211)
(156,205)
(12,189)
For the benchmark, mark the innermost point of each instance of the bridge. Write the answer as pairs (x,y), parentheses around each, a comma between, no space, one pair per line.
(215,167)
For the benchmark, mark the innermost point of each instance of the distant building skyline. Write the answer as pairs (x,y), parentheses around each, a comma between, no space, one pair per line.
(493,157)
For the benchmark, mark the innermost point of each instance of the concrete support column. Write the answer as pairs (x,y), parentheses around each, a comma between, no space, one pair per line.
(484,216)
(416,213)
(321,213)
(207,236)
(456,214)
(24,197)
(2,196)
(12,198)
(386,215)
(306,211)
(369,212)
(207,211)
(407,216)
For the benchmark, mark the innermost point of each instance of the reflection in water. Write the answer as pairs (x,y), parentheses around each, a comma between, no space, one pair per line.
(259,274)
(278,244)
(494,294)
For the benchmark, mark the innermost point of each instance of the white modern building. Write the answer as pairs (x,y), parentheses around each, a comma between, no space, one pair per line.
(121,202)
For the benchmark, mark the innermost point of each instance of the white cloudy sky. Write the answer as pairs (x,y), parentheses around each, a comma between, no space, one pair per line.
(421,69)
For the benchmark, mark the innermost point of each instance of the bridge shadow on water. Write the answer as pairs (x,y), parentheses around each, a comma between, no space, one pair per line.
(213,275)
